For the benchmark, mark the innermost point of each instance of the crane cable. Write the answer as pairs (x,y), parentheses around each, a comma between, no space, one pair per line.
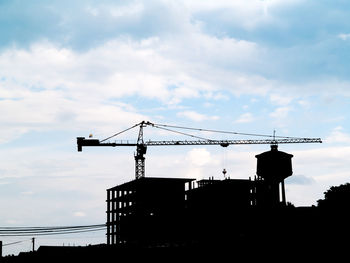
(119,133)
(182,133)
(166,127)
(227,132)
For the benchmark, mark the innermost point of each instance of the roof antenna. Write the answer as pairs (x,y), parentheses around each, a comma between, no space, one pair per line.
(274,143)
(224,172)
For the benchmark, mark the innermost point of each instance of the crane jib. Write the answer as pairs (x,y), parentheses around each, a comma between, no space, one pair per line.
(141,145)
(81,141)
(225,143)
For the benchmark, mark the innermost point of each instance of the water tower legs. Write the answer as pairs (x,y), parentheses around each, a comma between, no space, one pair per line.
(283,193)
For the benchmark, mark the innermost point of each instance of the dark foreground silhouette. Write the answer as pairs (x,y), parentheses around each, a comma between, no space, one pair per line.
(245,234)
(171,220)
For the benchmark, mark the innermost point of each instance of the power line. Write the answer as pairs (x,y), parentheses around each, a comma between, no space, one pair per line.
(55,230)
(48,233)
(27,228)
(12,243)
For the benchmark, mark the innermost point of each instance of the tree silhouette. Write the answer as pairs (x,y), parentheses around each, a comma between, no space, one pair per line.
(336,197)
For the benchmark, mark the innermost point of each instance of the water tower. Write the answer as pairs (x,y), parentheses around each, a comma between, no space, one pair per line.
(272,168)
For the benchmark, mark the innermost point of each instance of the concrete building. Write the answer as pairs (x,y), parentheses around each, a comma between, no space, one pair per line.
(150,211)
(143,210)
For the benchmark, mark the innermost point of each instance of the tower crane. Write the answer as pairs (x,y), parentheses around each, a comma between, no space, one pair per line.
(141,145)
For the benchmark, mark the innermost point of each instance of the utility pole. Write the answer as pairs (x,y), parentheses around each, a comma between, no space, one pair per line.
(33,241)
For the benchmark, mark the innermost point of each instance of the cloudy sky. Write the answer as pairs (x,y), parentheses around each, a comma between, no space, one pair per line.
(71,68)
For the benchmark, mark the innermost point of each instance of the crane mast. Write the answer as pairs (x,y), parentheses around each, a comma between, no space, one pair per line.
(141,145)
(141,150)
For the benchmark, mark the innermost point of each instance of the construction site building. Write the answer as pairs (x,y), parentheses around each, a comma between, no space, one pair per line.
(153,211)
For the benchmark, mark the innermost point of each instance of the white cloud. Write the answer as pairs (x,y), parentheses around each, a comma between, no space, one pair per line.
(79,214)
(245,118)
(304,103)
(50,110)
(249,14)
(300,180)
(127,10)
(338,136)
(27,193)
(195,116)
(325,165)
(47,86)
(344,36)
(279,99)
(280,112)
(199,156)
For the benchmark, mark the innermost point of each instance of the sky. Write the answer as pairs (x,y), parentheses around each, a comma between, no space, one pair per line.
(74,68)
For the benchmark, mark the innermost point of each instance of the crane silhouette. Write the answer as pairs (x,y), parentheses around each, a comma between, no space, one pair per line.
(141,145)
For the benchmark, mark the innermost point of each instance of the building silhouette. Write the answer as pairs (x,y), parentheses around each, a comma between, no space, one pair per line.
(273,167)
(181,218)
(141,211)
(162,211)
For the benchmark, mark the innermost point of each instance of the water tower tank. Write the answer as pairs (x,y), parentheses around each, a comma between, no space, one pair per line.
(274,165)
